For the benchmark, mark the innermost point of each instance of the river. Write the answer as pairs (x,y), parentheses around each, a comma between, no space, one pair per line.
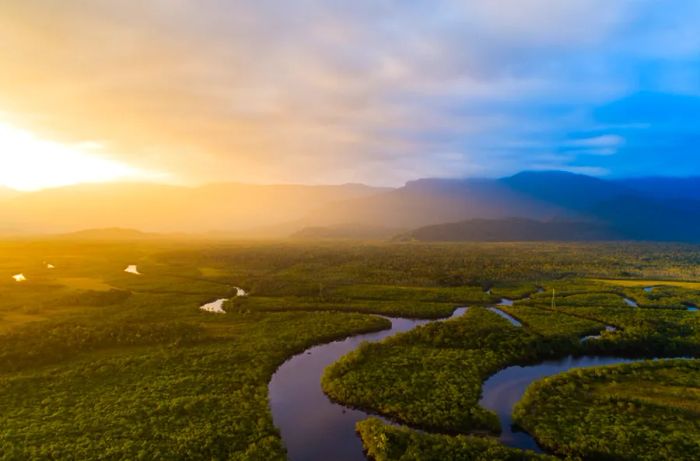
(503,390)
(314,428)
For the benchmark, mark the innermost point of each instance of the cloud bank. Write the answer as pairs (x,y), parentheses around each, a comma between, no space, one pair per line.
(362,91)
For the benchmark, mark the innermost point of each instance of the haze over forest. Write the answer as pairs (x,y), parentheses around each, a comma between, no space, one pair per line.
(227,118)
(485,209)
(350,230)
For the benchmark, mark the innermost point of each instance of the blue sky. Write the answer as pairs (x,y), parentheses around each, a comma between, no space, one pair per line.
(361,91)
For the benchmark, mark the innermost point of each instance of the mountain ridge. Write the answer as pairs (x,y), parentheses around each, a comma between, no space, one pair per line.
(169,208)
(511,230)
(634,208)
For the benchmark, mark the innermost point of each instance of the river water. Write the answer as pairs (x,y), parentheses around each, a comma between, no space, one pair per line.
(312,427)
(503,390)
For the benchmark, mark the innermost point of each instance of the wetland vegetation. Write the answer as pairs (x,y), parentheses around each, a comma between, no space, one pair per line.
(646,410)
(99,363)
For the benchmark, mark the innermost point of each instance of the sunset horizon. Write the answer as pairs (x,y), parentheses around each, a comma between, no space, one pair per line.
(350,230)
(372,93)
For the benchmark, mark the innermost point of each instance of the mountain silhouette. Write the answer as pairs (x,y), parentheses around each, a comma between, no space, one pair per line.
(530,205)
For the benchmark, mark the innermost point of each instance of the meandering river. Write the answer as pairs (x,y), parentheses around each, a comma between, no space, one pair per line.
(503,390)
(314,428)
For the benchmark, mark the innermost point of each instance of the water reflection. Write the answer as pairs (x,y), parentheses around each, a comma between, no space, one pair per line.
(312,427)
(608,328)
(132,269)
(510,318)
(216,307)
(504,389)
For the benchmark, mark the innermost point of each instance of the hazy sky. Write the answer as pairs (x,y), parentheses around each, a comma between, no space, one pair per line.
(355,91)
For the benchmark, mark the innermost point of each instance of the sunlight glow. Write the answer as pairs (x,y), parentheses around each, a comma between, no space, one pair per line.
(30,163)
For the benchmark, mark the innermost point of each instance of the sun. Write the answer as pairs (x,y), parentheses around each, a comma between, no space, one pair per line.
(28,162)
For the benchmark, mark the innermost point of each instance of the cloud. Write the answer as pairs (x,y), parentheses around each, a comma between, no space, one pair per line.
(605,140)
(604,144)
(334,91)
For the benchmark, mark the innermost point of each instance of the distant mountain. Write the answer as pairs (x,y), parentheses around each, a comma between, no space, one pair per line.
(511,230)
(114,233)
(568,190)
(643,218)
(249,210)
(660,209)
(664,188)
(356,232)
(529,205)
(435,201)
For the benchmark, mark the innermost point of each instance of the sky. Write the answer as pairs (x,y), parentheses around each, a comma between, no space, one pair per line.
(327,91)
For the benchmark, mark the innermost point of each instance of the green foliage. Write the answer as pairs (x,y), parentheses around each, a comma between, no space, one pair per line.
(643,332)
(465,294)
(553,324)
(94,298)
(426,387)
(643,411)
(202,401)
(41,344)
(431,376)
(394,308)
(391,443)
(98,363)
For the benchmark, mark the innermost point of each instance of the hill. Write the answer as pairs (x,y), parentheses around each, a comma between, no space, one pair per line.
(435,201)
(568,190)
(356,232)
(549,205)
(239,208)
(594,209)
(664,188)
(511,230)
(111,234)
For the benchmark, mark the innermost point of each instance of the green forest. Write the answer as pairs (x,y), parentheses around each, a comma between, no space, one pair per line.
(589,412)
(98,363)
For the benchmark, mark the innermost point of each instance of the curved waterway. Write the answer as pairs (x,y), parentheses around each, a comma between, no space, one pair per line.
(312,427)
(630,302)
(503,390)
(513,321)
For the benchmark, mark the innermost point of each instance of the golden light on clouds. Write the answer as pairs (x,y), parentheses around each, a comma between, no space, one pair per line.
(334,92)
(28,162)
